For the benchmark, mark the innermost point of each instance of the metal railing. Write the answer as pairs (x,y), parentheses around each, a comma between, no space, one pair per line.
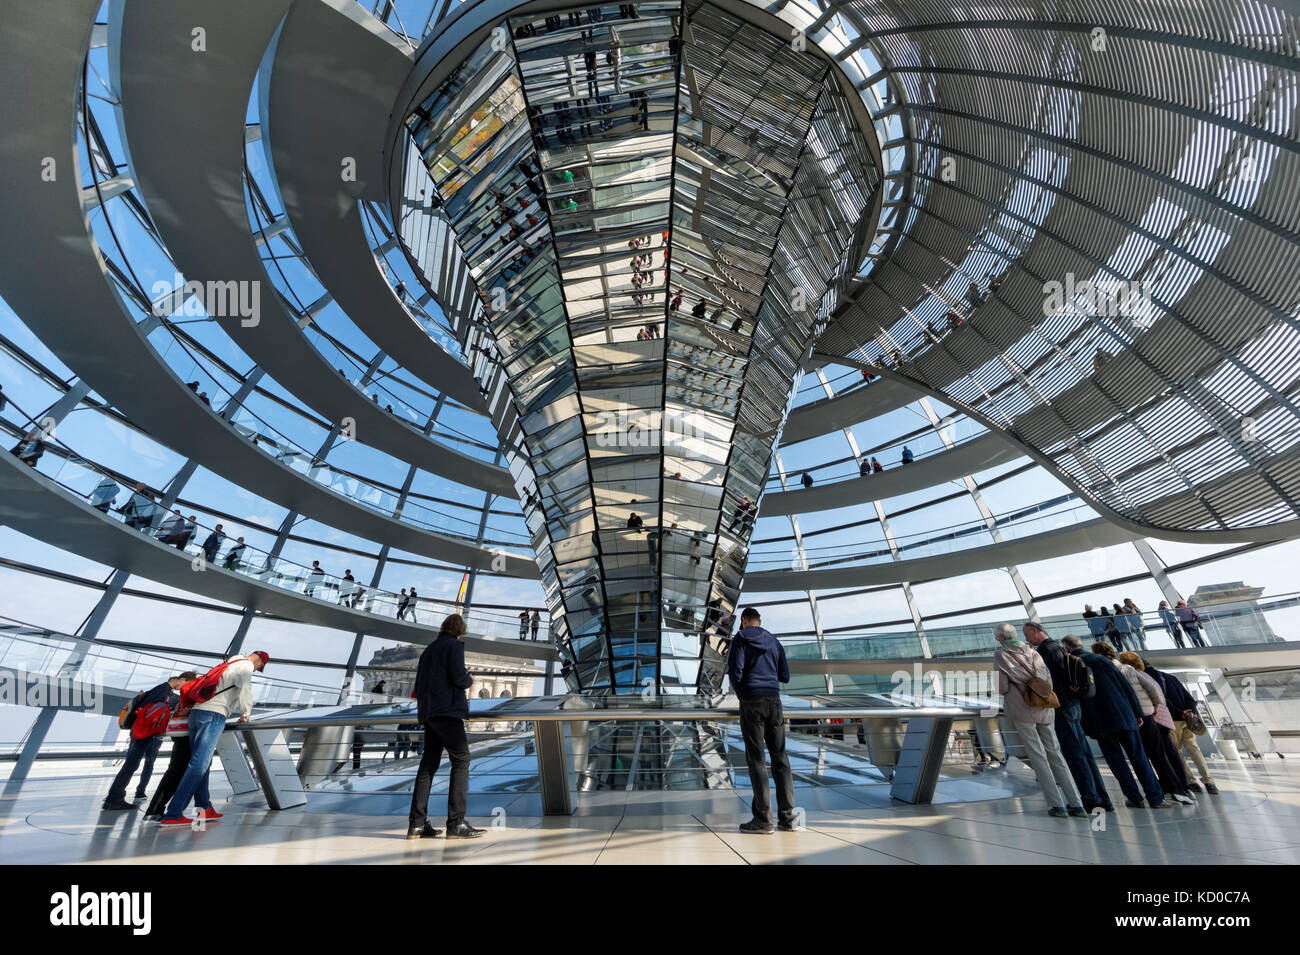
(82,478)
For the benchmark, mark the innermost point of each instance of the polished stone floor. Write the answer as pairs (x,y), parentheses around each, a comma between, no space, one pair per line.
(988,818)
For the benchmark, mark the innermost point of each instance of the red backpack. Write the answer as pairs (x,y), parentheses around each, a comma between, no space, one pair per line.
(204,688)
(151,719)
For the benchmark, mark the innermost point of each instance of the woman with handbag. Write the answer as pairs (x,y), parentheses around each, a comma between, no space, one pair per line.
(1029,703)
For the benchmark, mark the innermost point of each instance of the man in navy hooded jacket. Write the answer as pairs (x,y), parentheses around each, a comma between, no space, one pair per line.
(757,668)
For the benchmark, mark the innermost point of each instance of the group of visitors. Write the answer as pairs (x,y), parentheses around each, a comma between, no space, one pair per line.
(142,511)
(407,603)
(1181,619)
(194,710)
(212,544)
(526,623)
(1057,695)
(592,52)
(1122,627)
(1119,626)
(933,330)
(642,265)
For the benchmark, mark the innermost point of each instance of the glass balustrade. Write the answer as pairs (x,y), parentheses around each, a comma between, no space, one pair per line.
(32,649)
(1222,623)
(957,430)
(357,490)
(85,480)
(925,544)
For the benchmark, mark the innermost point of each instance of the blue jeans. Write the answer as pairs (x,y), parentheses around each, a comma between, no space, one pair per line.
(1078,756)
(1126,743)
(205,730)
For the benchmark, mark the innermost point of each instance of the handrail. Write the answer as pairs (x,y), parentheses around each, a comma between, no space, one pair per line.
(817,558)
(138,666)
(972,429)
(717,713)
(300,578)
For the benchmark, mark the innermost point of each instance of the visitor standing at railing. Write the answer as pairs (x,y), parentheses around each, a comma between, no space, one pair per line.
(315,577)
(188,531)
(1172,626)
(1182,707)
(1123,629)
(234,555)
(523,625)
(144,747)
(105,494)
(1111,717)
(756,667)
(222,691)
(347,589)
(1030,704)
(536,623)
(173,528)
(441,680)
(213,544)
(30,448)
(1191,623)
(1135,623)
(139,510)
(1072,682)
(1110,632)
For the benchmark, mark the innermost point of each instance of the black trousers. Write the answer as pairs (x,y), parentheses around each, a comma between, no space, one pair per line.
(140,750)
(762,722)
(172,777)
(442,732)
(1153,743)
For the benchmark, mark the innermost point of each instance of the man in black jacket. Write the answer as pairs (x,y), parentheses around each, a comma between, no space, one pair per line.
(756,665)
(1069,717)
(143,749)
(440,684)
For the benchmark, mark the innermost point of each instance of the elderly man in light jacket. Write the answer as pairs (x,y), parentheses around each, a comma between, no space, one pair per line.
(1017,663)
(233,694)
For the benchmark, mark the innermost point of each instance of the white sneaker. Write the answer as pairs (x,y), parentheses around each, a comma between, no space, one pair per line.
(1180,798)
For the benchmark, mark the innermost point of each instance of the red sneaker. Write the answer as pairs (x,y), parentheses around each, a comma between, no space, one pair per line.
(178,821)
(211,813)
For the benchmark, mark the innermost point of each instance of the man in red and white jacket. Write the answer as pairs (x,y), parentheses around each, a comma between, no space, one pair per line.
(233,693)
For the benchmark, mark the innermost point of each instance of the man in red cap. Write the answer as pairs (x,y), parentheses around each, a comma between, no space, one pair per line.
(232,692)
